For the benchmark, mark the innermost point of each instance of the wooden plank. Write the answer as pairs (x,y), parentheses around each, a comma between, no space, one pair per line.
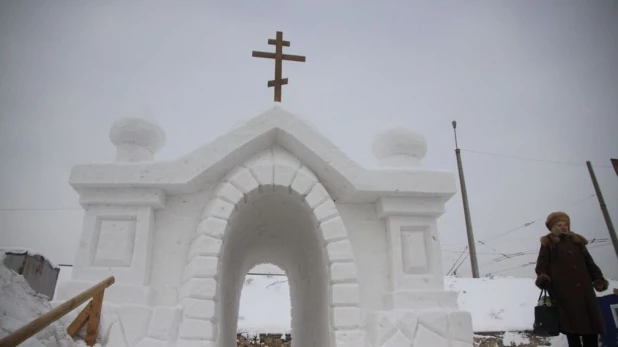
(267,55)
(92,331)
(291,57)
(79,321)
(274,83)
(283,43)
(30,329)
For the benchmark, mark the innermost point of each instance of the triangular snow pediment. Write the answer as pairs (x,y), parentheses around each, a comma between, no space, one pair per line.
(344,178)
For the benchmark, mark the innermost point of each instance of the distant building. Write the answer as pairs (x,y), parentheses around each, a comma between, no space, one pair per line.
(38,271)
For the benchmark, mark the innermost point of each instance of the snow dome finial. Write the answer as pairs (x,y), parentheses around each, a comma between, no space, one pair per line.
(399,148)
(137,139)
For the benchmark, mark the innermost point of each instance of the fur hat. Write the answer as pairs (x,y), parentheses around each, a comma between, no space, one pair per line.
(555,217)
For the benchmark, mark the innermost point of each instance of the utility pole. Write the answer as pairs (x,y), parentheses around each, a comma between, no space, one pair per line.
(608,220)
(464,196)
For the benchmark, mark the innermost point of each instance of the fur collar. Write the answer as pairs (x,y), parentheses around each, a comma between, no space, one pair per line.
(553,238)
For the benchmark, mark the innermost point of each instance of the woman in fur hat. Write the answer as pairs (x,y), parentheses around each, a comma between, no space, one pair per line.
(566,269)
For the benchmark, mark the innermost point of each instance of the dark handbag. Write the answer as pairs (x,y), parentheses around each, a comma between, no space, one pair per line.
(545,316)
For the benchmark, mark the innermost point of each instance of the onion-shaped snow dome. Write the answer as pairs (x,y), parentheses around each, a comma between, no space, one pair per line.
(136,139)
(399,148)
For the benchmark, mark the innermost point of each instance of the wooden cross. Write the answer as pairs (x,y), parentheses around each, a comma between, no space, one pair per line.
(279,58)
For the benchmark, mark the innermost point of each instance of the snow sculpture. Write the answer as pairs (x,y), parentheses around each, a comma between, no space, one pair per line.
(136,139)
(360,247)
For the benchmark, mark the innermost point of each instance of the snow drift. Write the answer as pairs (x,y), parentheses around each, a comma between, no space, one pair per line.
(19,305)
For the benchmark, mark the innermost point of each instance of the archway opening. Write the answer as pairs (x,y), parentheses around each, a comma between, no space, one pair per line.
(276,226)
(265,306)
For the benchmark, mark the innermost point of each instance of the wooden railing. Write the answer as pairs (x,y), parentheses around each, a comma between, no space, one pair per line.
(91,314)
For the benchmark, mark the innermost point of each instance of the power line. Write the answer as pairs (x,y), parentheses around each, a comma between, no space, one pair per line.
(534,159)
(527,224)
(461,255)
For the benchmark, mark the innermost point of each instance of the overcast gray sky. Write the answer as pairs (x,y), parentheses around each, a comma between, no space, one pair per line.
(528,79)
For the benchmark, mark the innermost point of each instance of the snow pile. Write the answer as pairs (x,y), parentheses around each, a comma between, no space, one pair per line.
(19,305)
(500,303)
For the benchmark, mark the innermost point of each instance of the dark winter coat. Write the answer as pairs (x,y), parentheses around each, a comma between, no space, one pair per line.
(565,266)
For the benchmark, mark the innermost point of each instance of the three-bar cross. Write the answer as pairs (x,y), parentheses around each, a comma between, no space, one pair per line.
(279,58)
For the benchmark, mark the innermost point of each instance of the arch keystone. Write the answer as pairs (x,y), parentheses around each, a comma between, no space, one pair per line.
(286,167)
(263,167)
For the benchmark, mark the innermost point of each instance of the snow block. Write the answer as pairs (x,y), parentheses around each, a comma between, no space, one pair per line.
(326,211)
(426,337)
(398,339)
(205,246)
(201,267)
(345,294)
(304,181)
(218,208)
(243,180)
(227,192)
(262,167)
(197,329)
(333,229)
(317,196)
(198,308)
(340,251)
(460,326)
(350,338)
(286,166)
(116,336)
(343,272)
(346,317)
(199,288)
(164,323)
(195,343)
(213,227)
(408,324)
(435,320)
(148,342)
(135,321)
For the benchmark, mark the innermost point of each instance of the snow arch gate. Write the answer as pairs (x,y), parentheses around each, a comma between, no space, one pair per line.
(323,280)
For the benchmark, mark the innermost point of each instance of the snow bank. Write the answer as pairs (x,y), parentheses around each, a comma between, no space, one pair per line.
(19,305)
(500,303)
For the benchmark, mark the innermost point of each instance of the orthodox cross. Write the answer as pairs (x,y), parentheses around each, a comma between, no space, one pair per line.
(279,58)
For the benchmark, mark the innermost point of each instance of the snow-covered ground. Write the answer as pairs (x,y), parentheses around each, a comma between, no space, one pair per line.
(19,305)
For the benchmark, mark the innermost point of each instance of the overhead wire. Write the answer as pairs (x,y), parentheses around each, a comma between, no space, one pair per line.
(549,161)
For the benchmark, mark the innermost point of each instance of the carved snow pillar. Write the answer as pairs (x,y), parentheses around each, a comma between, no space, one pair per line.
(417,310)
(415,263)
(119,223)
(117,240)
